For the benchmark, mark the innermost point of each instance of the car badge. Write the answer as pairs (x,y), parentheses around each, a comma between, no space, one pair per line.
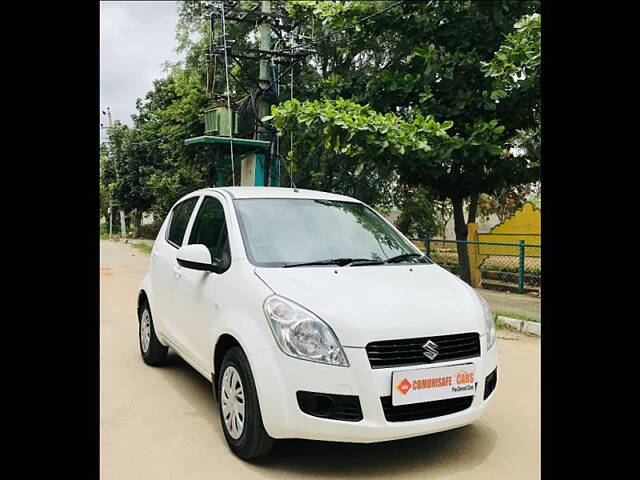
(430,350)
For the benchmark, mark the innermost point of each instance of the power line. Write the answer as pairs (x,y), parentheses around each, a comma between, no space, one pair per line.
(353,25)
(146,142)
(315,42)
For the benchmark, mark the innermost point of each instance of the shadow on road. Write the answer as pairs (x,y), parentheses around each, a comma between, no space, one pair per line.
(451,451)
(193,387)
(445,452)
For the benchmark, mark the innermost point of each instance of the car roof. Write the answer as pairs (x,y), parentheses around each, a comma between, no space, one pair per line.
(280,192)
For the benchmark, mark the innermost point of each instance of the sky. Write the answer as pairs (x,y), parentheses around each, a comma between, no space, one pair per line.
(136,38)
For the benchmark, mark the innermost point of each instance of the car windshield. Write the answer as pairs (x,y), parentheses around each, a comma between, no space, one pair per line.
(280,232)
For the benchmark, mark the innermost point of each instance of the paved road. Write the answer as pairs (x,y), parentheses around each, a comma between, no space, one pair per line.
(162,423)
(511,302)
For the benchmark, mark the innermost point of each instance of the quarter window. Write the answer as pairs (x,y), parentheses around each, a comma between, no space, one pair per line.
(210,229)
(179,220)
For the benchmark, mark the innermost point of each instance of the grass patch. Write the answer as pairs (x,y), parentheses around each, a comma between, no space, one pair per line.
(105,236)
(519,316)
(143,247)
(502,325)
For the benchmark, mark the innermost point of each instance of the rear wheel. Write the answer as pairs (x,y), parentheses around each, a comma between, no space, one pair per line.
(152,351)
(239,408)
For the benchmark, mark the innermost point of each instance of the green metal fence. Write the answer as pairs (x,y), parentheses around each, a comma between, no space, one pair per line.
(509,266)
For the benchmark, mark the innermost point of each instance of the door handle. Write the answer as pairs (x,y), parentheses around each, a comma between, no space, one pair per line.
(178,271)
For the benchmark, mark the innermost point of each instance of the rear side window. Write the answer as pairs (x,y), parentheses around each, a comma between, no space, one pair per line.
(179,221)
(210,229)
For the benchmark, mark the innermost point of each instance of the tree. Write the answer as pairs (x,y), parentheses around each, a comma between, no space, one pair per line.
(126,172)
(444,213)
(418,217)
(505,203)
(172,111)
(104,190)
(516,64)
(430,59)
(169,114)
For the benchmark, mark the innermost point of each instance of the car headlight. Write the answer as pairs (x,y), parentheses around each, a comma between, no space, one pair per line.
(301,334)
(490,323)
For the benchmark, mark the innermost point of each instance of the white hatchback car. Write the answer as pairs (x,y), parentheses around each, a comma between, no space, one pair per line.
(315,318)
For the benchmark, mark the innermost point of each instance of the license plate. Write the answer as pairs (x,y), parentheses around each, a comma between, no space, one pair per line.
(433,383)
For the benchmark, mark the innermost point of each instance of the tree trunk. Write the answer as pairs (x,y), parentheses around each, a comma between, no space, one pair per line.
(123,226)
(137,223)
(473,207)
(460,227)
(445,218)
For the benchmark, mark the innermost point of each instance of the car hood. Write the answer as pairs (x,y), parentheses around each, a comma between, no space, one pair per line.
(382,302)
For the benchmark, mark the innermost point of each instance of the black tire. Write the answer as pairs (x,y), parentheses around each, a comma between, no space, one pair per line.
(254,441)
(156,352)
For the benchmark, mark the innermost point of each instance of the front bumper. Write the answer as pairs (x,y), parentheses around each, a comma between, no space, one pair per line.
(278,378)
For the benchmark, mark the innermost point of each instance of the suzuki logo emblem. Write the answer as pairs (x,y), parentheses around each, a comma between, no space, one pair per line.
(430,350)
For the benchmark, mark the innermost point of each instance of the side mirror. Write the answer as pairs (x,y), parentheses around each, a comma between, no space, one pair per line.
(197,257)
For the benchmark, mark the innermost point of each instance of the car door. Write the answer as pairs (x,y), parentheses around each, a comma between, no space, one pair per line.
(195,291)
(162,269)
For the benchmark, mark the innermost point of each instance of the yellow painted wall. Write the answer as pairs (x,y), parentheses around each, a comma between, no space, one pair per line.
(525,225)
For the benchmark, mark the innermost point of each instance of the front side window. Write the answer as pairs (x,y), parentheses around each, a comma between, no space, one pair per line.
(180,220)
(281,231)
(210,230)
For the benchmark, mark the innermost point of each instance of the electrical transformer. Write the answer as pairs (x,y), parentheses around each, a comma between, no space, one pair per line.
(216,122)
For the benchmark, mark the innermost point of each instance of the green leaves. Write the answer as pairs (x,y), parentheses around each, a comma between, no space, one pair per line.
(425,53)
(517,60)
(494,150)
(358,132)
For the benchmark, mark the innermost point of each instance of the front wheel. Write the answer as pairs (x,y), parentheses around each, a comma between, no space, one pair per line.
(239,408)
(152,351)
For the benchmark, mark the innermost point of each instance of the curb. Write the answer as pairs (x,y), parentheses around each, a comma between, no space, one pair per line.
(534,328)
(138,241)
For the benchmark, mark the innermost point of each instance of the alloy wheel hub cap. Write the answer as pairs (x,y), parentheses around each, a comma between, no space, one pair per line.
(145,331)
(232,398)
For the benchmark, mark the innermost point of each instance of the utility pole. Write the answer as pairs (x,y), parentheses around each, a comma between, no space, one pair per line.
(110,194)
(257,161)
(108,128)
(123,225)
(263,79)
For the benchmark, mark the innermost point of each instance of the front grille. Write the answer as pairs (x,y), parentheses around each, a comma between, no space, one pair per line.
(329,405)
(396,353)
(420,411)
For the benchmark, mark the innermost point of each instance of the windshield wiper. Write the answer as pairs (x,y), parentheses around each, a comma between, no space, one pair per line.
(404,256)
(365,261)
(345,261)
(330,261)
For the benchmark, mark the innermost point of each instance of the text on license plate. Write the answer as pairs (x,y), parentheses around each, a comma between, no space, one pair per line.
(433,383)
